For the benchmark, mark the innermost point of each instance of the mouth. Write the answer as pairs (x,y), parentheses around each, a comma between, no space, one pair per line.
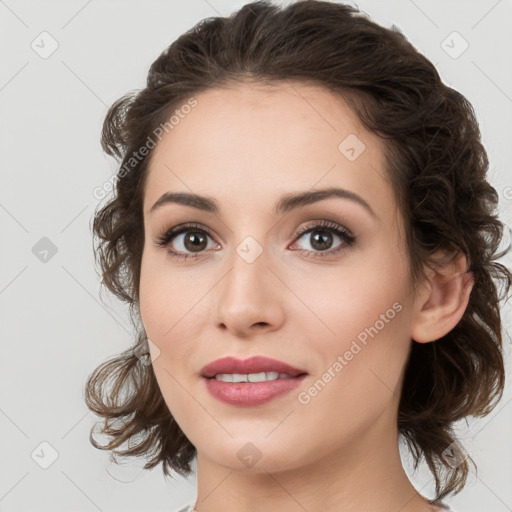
(252,382)
(254,369)
(253,377)
(251,394)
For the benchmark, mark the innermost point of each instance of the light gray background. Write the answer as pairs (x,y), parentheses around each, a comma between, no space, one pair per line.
(54,327)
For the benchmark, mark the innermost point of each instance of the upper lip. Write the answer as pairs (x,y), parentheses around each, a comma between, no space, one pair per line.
(256,364)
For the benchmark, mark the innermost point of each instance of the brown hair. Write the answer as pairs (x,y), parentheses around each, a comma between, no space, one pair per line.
(435,162)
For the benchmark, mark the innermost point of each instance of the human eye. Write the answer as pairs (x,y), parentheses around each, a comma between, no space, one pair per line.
(323,236)
(194,239)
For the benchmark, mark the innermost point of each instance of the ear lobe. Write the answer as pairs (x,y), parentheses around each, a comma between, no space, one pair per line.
(443,300)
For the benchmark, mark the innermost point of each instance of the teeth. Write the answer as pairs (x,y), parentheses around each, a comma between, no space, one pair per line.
(251,377)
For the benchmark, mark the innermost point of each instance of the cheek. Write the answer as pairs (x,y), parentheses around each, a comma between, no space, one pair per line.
(172,308)
(344,300)
(164,296)
(151,297)
(362,313)
(165,308)
(360,365)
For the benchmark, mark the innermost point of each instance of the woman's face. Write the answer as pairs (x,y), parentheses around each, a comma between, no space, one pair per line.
(334,306)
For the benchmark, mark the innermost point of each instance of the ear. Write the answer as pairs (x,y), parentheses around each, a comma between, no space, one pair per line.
(442,300)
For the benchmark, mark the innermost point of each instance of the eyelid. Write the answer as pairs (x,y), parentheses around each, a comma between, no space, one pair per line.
(165,236)
(325,223)
(343,233)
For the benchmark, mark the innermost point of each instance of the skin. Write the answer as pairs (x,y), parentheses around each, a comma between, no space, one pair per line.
(246,145)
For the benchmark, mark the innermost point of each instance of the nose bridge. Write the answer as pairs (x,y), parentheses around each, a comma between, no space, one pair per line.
(248,292)
(248,275)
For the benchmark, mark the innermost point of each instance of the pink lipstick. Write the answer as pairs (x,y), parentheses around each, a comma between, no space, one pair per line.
(263,379)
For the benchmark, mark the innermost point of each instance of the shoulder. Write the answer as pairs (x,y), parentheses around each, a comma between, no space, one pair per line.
(442,507)
(187,508)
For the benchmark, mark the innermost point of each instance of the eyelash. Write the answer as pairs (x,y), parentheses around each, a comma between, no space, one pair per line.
(344,234)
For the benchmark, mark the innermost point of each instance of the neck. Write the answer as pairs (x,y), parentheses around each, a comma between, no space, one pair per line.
(365,473)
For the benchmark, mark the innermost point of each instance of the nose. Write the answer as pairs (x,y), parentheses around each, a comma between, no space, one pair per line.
(250,297)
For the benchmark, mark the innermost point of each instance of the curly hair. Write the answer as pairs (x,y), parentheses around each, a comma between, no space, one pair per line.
(435,162)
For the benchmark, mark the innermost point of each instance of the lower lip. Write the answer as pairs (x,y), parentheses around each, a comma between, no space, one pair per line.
(249,394)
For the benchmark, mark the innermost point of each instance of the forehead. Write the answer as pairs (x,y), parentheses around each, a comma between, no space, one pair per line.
(260,141)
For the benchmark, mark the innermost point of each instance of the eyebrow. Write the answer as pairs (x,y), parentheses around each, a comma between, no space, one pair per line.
(285,204)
